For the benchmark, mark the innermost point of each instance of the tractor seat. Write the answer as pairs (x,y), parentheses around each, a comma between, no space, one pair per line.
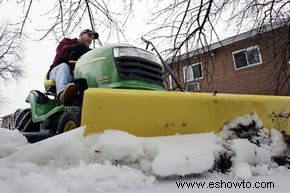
(49,85)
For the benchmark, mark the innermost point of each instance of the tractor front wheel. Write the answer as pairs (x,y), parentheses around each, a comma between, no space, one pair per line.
(67,121)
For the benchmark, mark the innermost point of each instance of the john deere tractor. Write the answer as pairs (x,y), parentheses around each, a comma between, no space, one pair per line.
(121,87)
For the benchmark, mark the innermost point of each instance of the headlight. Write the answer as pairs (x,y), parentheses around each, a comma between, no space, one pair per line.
(135,52)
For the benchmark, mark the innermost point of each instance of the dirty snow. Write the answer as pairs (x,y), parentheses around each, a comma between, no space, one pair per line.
(115,161)
(251,146)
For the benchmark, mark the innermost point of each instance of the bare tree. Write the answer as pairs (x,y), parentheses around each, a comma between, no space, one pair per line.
(180,25)
(184,25)
(10,53)
(67,15)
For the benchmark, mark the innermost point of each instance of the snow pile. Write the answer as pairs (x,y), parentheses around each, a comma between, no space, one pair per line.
(10,140)
(29,177)
(109,161)
(182,155)
(162,156)
(115,160)
(249,146)
(117,147)
(60,150)
(64,164)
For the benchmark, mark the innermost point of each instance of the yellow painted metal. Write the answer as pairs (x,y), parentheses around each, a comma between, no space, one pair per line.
(161,113)
(70,125)
(48,82)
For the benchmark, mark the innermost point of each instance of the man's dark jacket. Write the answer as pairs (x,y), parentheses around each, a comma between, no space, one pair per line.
(68,49)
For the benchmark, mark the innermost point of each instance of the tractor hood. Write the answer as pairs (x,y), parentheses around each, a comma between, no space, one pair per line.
(120,66)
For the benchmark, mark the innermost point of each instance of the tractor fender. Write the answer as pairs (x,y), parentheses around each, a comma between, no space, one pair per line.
(42,106)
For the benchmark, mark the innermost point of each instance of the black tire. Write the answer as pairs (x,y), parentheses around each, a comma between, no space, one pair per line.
(67,122)
(18,115)
(51,123)
(13,118)
(24,122)
(11,123)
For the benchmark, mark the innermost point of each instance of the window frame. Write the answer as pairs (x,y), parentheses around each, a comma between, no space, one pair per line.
(190,67)
(170,82)
(197,85)
(248,65)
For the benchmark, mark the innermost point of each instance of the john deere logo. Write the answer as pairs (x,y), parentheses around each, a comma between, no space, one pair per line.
(104,78)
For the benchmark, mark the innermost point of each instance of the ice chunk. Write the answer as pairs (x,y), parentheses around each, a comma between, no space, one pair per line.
(242,171)
(182,163)
(244,150)
(184,154)
(115,145)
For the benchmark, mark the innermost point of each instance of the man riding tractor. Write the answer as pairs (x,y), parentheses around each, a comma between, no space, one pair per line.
(61,70)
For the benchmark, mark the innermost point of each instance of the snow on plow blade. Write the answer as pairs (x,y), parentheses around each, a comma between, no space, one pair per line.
(162,113)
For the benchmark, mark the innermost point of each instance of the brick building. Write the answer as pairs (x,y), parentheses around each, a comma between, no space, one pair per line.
(254,62)
(4,121)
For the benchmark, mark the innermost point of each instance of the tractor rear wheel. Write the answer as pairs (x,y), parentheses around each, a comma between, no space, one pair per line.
(12,123)
(17,118)
(24,123)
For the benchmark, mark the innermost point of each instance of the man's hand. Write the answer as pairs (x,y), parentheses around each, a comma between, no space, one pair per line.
(77,50)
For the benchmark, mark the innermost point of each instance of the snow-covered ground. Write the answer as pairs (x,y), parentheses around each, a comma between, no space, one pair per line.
(115,161)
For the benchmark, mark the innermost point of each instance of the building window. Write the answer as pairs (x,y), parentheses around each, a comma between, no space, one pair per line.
(192,72)
(194,86)
(247,57)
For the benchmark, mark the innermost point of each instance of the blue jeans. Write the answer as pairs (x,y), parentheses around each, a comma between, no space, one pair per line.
(62,76)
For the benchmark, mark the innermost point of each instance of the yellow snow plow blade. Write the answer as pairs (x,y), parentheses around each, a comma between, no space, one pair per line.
(161,113)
